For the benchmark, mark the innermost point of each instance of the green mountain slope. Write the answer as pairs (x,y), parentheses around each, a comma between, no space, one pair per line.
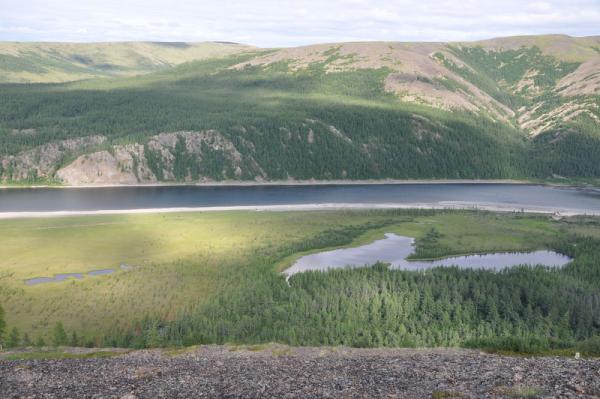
(63,62)
(506,108)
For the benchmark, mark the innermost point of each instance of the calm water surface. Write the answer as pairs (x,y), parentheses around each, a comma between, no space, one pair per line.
(65,276)
(394,249)
(120,198)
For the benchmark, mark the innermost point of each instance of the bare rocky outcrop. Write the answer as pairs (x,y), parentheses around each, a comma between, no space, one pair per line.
(526,84)
(585,80)
(196,144)
(42,161)
(535,122)
(420,89)
(577,89)
(336,132)
(330,128)
(124,165)
(137,163)
(276,371)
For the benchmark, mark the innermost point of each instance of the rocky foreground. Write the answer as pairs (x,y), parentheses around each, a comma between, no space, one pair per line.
(278,371)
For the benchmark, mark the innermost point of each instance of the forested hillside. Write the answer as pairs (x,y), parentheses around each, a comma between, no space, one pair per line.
(506,108)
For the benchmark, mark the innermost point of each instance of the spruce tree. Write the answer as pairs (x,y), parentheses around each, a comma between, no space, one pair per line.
(74,340)
(2,323)
(13,338)
(59,336)
(26,340)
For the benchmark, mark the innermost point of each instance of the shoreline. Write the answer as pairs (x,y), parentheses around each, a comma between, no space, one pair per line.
(491,207)
(242,183)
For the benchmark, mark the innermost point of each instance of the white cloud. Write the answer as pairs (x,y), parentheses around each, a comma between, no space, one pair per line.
(540,6)
(285,22)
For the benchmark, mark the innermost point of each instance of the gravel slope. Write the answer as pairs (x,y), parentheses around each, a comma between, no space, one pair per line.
(278,371)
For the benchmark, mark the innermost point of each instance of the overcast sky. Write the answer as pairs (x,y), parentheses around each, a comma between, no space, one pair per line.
(269,23)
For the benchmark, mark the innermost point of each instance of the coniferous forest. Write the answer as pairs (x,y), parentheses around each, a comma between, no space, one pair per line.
(522,309)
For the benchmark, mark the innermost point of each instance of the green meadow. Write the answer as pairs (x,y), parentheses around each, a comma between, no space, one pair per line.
(179,260)
(197,269)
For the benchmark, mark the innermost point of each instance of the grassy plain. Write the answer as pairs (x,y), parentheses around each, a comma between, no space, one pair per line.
(182,260)
(179,260)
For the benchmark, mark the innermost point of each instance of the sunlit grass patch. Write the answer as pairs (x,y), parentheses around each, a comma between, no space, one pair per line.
(522,391)
(445,394)
(180,351)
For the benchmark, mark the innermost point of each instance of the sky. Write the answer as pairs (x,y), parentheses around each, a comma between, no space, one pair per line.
(282,23)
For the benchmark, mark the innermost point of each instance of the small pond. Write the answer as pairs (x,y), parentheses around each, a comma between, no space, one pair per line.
(64,276)
(394,249)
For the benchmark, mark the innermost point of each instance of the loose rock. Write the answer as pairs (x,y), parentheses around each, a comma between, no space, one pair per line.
(276,372)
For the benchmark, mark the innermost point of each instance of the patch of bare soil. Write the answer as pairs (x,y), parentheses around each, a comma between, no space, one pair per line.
(585,80)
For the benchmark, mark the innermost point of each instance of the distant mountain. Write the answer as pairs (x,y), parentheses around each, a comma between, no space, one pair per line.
(64,62)
(513,107)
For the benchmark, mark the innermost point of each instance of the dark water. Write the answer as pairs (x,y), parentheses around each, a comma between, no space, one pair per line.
(56,278)
(119,198)
(394,249)
(101,272)
(65,276)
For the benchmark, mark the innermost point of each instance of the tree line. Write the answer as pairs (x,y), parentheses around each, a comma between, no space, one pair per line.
(527,309)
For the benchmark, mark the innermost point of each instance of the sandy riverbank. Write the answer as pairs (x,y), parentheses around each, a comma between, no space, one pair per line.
(237,183)
(310,207)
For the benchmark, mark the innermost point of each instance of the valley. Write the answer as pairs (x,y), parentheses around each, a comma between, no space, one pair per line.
(200,278)
(299,199)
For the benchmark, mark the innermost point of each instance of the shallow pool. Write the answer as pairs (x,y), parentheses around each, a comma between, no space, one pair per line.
(394,249)
(65,276)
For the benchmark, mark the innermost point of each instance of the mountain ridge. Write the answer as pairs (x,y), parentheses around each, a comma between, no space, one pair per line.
(57,62)
(517,107)
(585,49)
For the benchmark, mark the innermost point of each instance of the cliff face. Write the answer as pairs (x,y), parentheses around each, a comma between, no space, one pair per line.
(122,165)
(42,162)
(177,156)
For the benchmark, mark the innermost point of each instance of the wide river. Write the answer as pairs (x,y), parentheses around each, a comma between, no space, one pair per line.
(486,195)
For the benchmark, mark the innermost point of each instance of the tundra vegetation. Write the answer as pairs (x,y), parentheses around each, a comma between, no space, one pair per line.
(63,62)
(201,278)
